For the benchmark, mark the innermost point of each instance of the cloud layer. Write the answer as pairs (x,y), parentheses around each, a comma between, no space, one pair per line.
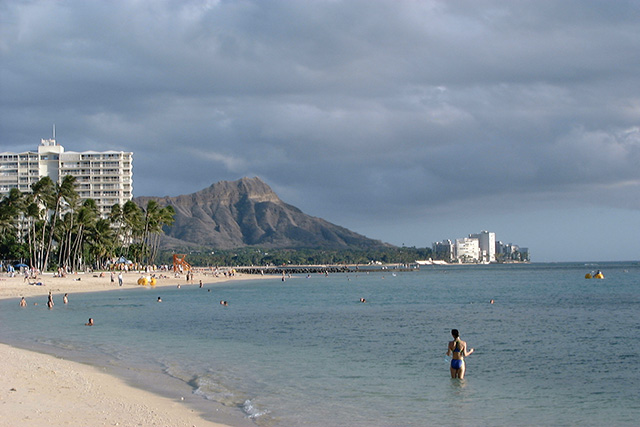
(391,118)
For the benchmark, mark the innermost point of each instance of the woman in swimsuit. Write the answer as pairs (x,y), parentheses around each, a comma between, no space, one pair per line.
(458,351)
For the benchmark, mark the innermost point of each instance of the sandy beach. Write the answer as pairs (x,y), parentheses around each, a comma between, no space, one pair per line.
(16,287)
(43,390)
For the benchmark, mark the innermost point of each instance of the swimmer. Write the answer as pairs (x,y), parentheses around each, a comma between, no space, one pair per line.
(200,283)
(225,303)
(65,299)
(159,299)
(90,323)
(457,349)
(178,286)
(363,300)
(491,302)
(23,302)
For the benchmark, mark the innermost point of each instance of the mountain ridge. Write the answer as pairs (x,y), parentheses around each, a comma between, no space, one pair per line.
(247,212)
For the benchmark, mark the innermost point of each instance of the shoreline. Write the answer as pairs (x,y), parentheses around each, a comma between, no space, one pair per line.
(16,287)
(42,389)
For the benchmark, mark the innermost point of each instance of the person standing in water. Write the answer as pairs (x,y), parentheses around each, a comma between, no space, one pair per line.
(457,349)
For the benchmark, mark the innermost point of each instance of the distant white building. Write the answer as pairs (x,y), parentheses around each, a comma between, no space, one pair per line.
(513,252)
(444,250)
(487,242)
(106,177)
(467,250)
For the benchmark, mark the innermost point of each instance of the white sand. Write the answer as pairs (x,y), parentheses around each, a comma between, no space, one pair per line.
(42,390)
(15,287)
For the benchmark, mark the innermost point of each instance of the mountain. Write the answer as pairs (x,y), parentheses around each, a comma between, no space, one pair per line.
(235,214)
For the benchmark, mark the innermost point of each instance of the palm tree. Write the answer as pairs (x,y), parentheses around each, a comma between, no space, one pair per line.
(68,227)
(11,207)
(62,194)
(101,239)
(87,216)
(9,210)
(164,216)
(39,201)
(127,221)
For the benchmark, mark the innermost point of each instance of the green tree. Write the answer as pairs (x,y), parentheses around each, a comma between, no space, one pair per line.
(155,218)
(127,221)
(101,242)
(62,193)
(11,212)
(86,219)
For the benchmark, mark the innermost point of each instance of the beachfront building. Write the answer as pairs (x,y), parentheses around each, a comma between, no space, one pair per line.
(444,250)
(106,177)
(511,252)
(487,242)
(479,248)
(467,250)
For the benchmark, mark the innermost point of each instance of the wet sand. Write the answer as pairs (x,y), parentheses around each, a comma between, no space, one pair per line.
(42,390)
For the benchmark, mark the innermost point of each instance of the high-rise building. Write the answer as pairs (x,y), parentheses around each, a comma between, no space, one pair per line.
(487,241)
(444,250)
(106,177)
(467,250)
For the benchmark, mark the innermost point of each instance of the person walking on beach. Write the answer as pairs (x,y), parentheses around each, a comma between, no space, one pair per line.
(120,278)
(457,349)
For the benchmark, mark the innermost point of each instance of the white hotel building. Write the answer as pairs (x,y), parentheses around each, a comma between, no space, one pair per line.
(106,177)
(467,250)
(487,243)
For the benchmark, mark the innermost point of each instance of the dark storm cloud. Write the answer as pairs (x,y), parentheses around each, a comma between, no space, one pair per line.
(356,111)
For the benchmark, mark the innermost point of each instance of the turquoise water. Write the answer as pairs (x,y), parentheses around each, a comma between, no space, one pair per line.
(554,348)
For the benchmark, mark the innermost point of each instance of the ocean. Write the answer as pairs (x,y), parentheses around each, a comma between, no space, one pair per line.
(553,349)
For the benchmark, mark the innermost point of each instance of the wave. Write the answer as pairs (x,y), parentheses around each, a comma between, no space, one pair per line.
(212,386)
(251,411)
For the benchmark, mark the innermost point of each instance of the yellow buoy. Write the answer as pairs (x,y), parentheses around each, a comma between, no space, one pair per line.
(153,281)
(599,276)
(587,276)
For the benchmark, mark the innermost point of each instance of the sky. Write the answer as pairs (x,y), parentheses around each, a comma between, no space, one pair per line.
(406,121)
